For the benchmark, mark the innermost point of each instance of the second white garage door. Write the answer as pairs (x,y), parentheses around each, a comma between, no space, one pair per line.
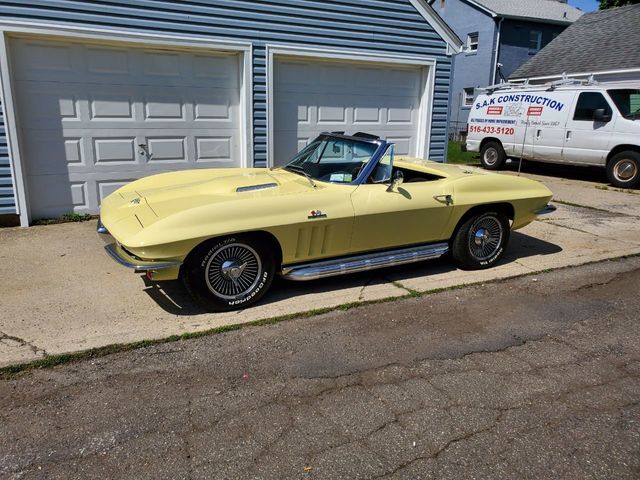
(93,117)
(312,96)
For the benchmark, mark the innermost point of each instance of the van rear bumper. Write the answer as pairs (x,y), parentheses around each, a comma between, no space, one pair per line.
(471,146)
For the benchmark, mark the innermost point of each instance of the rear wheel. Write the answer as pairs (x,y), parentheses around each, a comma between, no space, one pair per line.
(229,273)
(623,170)
(492,156)
(480,240)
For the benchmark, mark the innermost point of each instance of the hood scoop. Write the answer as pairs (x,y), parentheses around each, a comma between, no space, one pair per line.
(251,188)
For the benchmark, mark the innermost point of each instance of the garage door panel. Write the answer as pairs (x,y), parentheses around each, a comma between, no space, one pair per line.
(94,117)
(314,96)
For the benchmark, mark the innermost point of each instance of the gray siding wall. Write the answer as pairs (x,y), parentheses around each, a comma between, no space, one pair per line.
(470,69)
(374,26)
(514,42)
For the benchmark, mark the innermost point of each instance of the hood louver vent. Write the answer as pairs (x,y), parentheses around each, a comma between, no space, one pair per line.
(250,188)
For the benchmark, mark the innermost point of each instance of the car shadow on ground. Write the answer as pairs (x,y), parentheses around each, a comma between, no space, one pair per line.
(173,298)
(571,172)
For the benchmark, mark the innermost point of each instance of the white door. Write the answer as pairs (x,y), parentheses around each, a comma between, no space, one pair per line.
(312,96)
(94,117)
(586,139)
(548,123)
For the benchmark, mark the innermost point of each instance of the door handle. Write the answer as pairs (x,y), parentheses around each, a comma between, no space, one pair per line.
(538,133)
(568,137)
(446,199)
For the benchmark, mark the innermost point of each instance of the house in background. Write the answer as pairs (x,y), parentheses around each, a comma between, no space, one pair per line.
(98,93)
(605,45)
(506,32)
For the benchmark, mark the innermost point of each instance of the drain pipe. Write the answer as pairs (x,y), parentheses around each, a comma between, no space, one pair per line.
(492,81)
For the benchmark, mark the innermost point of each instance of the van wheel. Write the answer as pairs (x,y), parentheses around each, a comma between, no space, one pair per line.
(492,156)
(623,170)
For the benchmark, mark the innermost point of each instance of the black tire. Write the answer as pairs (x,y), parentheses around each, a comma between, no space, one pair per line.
(480,240)
(228,273)
(623,170)
(492,156)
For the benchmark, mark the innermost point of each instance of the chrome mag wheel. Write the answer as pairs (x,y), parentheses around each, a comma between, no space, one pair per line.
(485,237)
(233,271)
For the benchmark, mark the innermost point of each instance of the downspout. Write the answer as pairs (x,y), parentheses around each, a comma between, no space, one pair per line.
(492,80)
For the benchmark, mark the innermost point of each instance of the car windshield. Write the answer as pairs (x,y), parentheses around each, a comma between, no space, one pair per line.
(332,159)
(627,101)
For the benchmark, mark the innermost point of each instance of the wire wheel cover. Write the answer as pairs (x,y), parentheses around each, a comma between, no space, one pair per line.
(485,237)
(233,271)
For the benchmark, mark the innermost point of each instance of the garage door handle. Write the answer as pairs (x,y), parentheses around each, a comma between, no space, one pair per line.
(144,150)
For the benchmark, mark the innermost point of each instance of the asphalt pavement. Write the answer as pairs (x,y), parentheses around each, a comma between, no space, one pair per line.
(530,378)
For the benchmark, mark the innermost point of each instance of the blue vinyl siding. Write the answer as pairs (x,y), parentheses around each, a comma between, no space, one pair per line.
(7,200)
(373,26)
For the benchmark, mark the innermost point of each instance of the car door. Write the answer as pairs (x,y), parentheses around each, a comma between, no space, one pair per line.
(548,125)
(412,213)
(587,138)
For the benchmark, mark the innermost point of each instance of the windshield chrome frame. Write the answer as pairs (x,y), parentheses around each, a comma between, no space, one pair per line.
(370,165)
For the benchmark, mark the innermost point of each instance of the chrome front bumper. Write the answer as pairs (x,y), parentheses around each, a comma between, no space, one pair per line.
(126,259)
(546,210)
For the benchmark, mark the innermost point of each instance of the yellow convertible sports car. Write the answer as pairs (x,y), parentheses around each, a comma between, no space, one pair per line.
(343,204)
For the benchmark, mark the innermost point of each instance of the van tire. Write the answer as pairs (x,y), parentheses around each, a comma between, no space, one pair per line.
(623,170)
(492,156)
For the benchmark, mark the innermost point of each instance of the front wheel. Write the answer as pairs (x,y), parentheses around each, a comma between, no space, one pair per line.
(229,273)
(492,156)
(623,170)
(480,240)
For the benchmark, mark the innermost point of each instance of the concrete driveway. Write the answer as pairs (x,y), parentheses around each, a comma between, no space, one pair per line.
(60,293)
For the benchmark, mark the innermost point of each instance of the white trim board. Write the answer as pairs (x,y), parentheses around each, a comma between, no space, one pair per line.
(427,64)
(31,29)
(454,44)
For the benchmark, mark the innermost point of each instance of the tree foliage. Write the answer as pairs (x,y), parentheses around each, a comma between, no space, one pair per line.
(604,4)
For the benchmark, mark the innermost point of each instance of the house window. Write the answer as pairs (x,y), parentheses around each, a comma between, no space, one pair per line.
(472,42)
(467,97)
(441,4)
(535,41)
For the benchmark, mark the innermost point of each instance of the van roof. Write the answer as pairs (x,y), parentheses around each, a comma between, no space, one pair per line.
(567,87)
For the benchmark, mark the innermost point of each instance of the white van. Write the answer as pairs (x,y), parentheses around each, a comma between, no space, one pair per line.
(579,123)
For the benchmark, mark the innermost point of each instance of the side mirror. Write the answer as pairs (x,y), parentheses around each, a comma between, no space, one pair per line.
(600,115)
(396,181)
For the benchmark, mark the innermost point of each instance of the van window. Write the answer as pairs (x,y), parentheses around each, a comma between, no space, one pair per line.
(588,103)
(627,101)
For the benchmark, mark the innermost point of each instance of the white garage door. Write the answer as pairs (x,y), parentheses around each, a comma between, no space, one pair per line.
(312,96)
(94,117)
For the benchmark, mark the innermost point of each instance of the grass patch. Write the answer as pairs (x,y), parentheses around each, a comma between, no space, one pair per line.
(66,218)
(455,155)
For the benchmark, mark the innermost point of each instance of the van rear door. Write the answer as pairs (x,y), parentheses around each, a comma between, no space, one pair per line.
(587,138)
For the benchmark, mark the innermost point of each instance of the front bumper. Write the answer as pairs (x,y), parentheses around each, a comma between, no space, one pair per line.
(546,210)
(157,270)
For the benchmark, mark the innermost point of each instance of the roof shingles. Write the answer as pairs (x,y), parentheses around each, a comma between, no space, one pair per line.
(542,10)
(598,42)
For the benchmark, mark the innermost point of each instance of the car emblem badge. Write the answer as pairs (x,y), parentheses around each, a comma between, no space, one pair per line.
(317,214)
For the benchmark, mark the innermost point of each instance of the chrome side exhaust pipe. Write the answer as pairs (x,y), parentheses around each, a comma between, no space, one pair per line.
(362,263)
